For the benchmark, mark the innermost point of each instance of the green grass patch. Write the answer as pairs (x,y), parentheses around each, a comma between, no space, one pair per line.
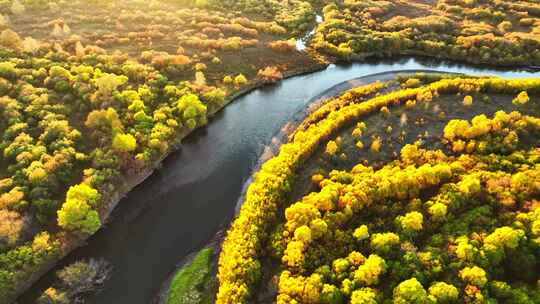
(188,285)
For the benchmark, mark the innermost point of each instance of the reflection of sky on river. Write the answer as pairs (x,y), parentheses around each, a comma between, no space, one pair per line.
(194,194)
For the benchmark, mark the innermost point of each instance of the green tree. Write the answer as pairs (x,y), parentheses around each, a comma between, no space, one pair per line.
(77,213)
(240,80)
(410,292)
(443,292)
(192,110)
(330,294)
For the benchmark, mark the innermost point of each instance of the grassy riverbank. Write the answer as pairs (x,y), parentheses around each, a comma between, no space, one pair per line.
(190,284)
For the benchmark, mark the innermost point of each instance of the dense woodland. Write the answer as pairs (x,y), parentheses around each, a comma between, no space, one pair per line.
(90,103)
(405,202)
(501,31)
(374,233)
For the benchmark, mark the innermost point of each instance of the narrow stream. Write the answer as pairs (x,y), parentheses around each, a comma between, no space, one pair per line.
(181,206)
(301,43)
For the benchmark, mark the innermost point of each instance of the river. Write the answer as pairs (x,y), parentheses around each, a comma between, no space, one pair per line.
(181,206)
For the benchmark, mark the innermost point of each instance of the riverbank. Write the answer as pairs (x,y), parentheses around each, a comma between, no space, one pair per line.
(107,206)
(215,246)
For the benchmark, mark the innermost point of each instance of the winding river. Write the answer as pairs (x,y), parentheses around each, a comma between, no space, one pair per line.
(182,206)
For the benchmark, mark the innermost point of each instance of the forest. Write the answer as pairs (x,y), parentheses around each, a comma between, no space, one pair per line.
(421,189)
(90,103)
(398,221)
(501,32)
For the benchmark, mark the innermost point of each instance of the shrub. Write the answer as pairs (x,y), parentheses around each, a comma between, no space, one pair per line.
(474,275)
(270,75)
(75,280)
(521,99)
(410,292)
(283,46)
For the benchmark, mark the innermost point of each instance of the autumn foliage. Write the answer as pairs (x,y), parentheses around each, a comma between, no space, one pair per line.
(429,226)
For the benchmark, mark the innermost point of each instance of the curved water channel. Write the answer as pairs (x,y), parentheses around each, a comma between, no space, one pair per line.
(181,206)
